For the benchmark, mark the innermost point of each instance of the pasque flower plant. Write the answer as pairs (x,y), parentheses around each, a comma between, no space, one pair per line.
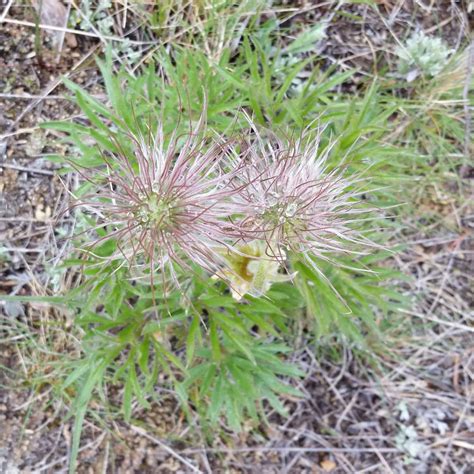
(249,229)
(184,201)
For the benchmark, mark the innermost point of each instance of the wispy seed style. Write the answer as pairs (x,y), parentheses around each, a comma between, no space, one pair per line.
(294,202)
(168,203)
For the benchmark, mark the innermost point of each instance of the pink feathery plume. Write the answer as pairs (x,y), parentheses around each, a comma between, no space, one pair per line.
(169,204)
(294,202)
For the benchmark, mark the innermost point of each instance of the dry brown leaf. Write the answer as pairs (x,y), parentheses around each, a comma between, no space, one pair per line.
(52,13)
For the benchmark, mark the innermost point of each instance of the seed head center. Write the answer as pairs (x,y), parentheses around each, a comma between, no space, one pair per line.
(280,213)
(157,211)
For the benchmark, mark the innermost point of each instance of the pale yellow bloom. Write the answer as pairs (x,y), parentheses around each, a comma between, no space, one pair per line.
(251,271)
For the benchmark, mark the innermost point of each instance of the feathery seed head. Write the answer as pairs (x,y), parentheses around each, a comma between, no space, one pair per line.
(294,202)
(168,204)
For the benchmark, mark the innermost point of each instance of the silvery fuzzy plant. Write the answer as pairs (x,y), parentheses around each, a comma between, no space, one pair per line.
(96,17)
(96,14)
(422,55)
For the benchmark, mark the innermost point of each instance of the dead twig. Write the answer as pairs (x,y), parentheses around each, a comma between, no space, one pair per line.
(173,453)
(26,169)
(75,32)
